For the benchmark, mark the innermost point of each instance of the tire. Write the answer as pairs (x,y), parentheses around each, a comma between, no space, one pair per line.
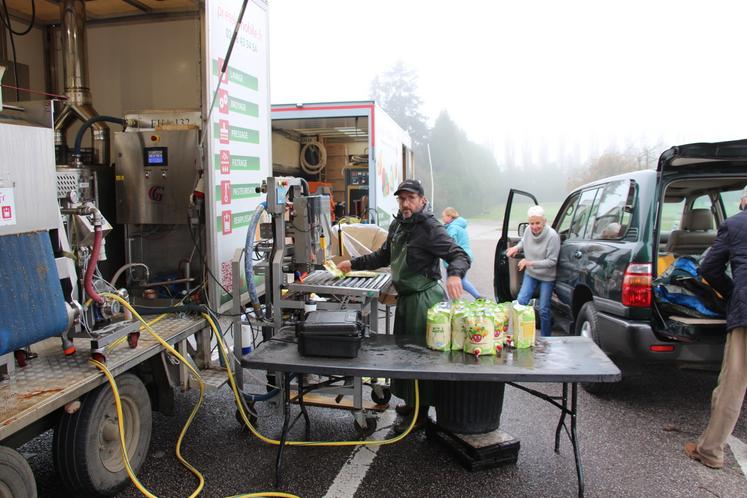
(85,449)
(587,325)
(16,476)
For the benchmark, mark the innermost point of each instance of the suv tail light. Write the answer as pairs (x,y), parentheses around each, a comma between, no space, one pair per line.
(636,288)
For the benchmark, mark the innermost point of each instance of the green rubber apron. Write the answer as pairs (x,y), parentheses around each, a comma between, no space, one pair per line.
(415,294)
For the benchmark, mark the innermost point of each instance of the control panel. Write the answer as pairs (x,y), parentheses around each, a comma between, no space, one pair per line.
(156,171)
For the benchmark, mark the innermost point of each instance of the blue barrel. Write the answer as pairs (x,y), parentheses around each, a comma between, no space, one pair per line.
(32,307)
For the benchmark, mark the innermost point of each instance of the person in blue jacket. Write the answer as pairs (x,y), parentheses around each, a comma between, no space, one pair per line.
(456,227)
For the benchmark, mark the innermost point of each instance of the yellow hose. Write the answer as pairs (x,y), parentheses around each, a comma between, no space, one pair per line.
(122,339)
(254,431)
(197,406)
(239,404)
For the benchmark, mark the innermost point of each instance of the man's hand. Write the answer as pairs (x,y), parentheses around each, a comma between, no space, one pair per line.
(511,251)
(345,266)
(454,287)
(524,263)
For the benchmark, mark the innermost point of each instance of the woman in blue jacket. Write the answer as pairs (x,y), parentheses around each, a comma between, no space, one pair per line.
(456,227)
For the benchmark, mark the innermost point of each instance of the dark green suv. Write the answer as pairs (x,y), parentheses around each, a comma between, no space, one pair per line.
(618,234)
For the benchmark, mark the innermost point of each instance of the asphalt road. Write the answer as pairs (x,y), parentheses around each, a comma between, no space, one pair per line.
(631,445)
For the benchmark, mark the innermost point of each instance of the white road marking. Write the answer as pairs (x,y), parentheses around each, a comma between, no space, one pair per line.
(351,474)
(739,449)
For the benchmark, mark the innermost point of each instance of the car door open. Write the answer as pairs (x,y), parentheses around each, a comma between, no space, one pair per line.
(506,275)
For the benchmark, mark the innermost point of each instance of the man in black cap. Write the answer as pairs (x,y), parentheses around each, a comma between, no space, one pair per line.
(413,248)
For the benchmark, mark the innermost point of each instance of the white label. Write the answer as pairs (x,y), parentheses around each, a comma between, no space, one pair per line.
(7,207)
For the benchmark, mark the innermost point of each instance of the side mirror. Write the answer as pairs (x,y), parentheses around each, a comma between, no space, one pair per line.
(522,228)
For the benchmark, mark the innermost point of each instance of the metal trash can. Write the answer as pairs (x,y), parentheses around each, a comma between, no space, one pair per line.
(468,407)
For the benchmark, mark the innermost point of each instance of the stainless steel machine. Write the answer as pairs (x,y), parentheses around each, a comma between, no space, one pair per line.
(156,172)
(157,167)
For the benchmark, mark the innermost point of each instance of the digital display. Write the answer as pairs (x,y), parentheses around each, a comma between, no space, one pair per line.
(156,156)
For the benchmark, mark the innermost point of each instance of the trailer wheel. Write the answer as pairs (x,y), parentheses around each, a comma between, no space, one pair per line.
(16,476)
(86,449)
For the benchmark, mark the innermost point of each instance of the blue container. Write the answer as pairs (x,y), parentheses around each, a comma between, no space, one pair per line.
(32,307)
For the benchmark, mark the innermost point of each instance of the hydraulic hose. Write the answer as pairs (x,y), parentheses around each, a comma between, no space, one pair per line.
(87,124)
(93,261)
(248,262)
(196,408)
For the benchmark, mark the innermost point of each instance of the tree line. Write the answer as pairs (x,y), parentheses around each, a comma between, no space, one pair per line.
(466,175)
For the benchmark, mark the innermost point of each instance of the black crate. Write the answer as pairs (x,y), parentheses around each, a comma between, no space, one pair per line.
(334,334)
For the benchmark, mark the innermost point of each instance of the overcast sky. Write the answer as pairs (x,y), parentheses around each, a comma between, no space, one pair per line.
(584,74)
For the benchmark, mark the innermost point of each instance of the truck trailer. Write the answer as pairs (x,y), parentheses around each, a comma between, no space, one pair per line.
(355,149)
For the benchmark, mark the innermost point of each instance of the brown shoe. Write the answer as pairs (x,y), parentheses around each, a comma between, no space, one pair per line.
(691,450)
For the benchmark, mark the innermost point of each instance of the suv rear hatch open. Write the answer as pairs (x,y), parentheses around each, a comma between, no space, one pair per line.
(693,180)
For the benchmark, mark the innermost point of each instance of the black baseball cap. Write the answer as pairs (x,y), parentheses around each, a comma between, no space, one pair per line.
(413,186)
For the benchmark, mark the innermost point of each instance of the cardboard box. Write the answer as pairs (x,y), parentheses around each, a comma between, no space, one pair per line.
(337,162)
(336,150)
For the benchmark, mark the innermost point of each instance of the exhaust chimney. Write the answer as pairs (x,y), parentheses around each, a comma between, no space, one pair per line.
(75,74)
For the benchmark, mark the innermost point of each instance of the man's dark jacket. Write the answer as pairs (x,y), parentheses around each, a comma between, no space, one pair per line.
(427,243)
(730,247)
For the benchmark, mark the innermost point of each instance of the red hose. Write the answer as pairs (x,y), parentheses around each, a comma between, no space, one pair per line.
(88,280)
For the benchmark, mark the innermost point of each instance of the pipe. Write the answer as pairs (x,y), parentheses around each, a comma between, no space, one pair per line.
(75,51)
(86,125)
(248,264)
(93,261)
(124,268)
(75,72)
(305,187)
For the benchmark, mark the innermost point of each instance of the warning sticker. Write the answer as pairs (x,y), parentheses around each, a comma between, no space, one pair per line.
(7,207)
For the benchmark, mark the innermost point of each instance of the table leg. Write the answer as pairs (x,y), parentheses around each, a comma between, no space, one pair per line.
(302,405)
(561,422)
(574,439)
(373,317)
(286,421)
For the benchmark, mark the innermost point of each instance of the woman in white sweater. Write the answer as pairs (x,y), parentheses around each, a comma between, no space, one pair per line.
(541,246)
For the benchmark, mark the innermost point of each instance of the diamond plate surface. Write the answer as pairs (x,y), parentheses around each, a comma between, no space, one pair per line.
(214,378)
(53,379)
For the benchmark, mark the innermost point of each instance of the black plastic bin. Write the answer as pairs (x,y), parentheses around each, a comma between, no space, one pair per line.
(335,334)
(470,407)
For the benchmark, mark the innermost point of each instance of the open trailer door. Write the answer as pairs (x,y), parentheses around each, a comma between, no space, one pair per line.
(506,275)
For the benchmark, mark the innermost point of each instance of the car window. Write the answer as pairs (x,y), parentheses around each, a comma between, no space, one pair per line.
(671,215)
(731,202)
(611,218)
(563,224)
(702,202)
(581,216)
